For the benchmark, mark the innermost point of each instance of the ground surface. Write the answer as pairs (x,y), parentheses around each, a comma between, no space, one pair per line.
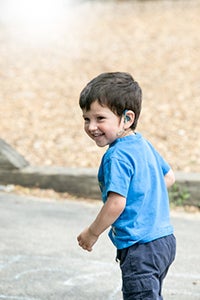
(43,69)
(40,258)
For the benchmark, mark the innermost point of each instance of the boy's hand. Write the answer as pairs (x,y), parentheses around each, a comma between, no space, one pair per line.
(108,214)
(87,239)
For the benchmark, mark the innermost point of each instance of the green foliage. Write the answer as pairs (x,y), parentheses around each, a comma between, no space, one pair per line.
(178,195)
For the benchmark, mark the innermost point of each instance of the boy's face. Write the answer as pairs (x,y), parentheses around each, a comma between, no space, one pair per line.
(102,125)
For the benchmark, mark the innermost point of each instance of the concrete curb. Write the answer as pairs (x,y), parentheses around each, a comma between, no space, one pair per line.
(82,181)
(78,181)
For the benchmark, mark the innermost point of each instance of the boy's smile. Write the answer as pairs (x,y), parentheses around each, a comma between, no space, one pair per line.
(102,125)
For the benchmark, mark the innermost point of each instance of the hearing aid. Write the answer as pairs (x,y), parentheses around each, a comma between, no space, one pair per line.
(126,118)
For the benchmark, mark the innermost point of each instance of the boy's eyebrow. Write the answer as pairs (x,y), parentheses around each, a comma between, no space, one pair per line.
(97,114)
(84,115)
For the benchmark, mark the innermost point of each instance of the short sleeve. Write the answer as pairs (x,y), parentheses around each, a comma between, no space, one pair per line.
(117,176)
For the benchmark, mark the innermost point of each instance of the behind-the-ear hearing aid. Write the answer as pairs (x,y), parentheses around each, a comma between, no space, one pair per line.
(126,118)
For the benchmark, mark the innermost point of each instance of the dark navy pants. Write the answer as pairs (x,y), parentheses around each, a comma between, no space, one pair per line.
(144,266)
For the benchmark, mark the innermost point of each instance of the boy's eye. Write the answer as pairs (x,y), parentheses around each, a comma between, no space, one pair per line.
(100,118)
(86,120)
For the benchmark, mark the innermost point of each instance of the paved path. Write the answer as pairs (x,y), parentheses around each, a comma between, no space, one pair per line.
(40,258)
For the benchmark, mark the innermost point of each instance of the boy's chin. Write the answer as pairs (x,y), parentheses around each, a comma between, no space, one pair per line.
(101,145)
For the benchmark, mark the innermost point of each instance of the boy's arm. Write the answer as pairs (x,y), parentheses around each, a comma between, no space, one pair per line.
(108,214)
(169,178)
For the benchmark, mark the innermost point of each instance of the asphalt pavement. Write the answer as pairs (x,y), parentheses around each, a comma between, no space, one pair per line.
(41,260)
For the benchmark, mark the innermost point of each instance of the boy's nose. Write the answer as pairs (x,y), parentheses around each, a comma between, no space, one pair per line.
(92,126)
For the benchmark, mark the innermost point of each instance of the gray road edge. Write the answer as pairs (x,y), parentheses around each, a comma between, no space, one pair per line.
(83,181)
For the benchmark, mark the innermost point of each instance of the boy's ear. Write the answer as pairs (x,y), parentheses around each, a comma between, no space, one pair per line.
(129,117)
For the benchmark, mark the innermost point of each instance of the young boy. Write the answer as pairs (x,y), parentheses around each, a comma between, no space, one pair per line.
(133,179)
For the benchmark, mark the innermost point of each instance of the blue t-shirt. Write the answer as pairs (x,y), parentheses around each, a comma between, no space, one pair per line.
(132,168)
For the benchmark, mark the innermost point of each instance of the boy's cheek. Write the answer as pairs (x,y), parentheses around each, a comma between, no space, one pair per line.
(86,129)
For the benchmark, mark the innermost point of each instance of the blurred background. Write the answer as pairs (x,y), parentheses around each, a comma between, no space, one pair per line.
(50,49)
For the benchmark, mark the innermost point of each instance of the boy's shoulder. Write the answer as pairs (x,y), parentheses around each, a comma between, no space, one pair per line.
(123,147)
(132,147)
